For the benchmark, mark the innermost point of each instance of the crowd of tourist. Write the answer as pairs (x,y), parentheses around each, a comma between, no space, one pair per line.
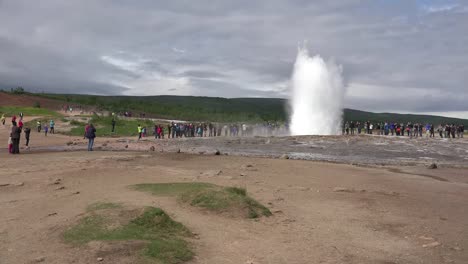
(175,130)
(400,129)
(182,129)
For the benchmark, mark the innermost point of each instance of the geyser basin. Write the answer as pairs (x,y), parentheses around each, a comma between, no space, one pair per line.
(317,95)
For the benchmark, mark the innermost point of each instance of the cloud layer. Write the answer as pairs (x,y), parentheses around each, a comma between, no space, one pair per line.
(405,56)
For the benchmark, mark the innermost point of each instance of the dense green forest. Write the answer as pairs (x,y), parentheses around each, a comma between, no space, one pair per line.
(224,110)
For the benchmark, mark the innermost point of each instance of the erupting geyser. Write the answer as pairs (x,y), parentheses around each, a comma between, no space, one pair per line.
(317,95)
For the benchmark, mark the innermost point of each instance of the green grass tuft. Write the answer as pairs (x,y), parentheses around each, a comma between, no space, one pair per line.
(233,200)
(165,236)
(172,189)
(102,206)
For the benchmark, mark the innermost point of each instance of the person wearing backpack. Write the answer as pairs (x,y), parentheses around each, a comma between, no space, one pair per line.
(90,135)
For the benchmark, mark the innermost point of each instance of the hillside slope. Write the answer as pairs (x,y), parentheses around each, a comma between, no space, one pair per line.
(203,108)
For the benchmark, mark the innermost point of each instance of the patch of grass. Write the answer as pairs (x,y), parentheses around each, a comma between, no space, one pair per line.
(173,189)
(102,206)
(215,198)
(28,111)
(103,125)
(77,123)
(44,121)
(165,236)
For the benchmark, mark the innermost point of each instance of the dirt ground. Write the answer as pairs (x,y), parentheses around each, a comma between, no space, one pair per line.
(322,212)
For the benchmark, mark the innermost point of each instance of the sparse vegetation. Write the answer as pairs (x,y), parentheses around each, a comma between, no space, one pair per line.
(104,126)
(165,237)
(231,200)
(226,110)
(27,111)
(103,205)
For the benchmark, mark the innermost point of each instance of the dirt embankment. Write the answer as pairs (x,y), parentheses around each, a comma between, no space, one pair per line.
(26,100)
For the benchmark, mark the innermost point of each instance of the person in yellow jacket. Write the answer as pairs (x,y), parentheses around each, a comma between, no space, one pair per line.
(139,131)
(3,119)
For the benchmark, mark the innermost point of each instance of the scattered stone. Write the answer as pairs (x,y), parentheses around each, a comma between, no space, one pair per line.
(432,166)
(69,143)
(76,193)
(39,259)
(178,151)
(219,172)
(52,214)
(249,166)
(249,262)
(100,259)
(4,184)
(243,174)
(104,145)
(217,153)
(284,156)
(431,245)
(456,248)
(126,146)
(19,184)
(60,188)
(57,181)
(75,143)
(152,148)
(341,189)
(426,238)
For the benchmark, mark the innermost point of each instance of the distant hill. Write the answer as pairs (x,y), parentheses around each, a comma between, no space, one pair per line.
(205,108)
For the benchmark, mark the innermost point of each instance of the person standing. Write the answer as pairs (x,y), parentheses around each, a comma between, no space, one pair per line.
(52,126)
(39,126)
(90,135)
(15,138)
(27,133)
(3,119)
(139,128)
(113,124)
(46,130)
(169,127)
(21,116)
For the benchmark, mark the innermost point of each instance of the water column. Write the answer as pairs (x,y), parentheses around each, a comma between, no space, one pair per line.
(317,94)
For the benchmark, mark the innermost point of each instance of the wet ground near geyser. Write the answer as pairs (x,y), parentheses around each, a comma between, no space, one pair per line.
(363,149)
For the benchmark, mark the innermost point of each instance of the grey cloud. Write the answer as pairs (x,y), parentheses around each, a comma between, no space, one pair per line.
(231,46)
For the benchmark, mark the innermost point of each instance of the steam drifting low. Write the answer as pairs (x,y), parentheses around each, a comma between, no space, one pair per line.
(317,95)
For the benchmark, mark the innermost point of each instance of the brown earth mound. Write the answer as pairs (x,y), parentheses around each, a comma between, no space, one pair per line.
(25,100)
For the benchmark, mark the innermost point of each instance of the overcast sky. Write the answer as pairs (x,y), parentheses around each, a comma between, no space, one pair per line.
(397,55)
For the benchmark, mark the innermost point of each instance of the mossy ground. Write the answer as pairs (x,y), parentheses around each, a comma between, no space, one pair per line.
(166,238)
(232,200)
